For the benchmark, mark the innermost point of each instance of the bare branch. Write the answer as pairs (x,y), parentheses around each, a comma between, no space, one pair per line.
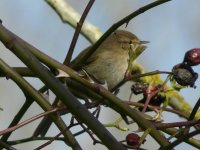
(77,31)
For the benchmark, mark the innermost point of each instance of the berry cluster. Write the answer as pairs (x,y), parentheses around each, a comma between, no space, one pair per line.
(144,88)
(183,73)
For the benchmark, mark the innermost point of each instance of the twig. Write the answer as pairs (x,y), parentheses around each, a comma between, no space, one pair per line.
(140,75)
(20,141)
(194,110)
(97,111)
(49,142)
(157,107)
(190,118)
(17,118)
(6,146)
(23,71)
(148,98)
(77,31)
(192,141)
(180,139)
(21,113)
(134,77)
(177,124)
(23,123)
(95,141)
(45,124)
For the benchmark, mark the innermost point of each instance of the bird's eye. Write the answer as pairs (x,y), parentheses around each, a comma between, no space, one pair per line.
(130,42)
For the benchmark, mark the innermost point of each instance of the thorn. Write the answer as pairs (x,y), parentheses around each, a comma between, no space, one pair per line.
(127,24)
(62,74)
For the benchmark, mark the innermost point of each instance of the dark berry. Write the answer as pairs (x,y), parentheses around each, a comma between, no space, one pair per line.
(192,57)
(184,75)
(132,139)
(156,100)
(138,87)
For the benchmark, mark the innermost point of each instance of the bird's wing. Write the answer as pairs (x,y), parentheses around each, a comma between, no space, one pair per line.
(88,61)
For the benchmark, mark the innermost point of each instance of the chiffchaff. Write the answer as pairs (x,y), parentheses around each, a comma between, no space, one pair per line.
(107,65)
(109,62)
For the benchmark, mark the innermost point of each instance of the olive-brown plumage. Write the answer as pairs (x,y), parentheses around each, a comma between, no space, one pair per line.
(107,65)
(109,62)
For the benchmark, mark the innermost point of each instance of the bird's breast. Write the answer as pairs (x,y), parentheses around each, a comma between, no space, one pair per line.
(110,68)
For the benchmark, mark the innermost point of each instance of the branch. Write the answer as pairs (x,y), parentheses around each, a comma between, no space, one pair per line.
(29,90)
(15,142)
(181,139)
(23,123)
(177,124)
(48,142)
(194,110)
(17,118)
(22,51)
(6,146)
(192,141)
(23,71)
(181,114)
(77,31)
(20,114)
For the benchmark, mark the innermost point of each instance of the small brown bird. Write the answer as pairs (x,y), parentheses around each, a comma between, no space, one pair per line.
(108,64)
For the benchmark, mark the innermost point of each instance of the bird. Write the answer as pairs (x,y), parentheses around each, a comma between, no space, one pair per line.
(107,65)
(109,62)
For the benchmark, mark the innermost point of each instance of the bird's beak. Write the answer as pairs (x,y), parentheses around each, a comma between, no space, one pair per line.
(144,42)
